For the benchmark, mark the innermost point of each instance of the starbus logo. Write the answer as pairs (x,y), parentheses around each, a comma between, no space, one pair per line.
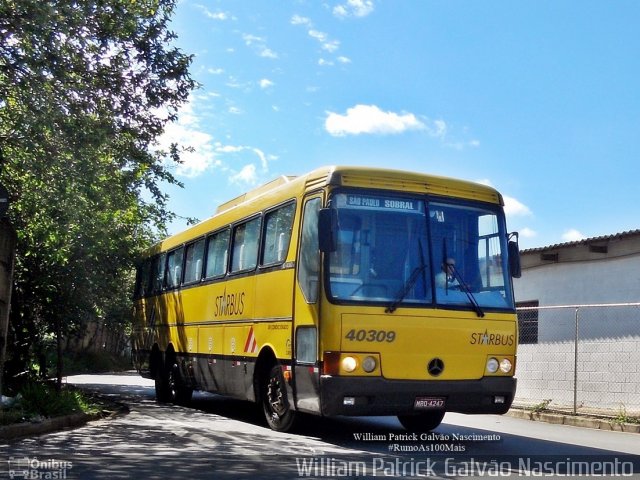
(486,338)
(229,304)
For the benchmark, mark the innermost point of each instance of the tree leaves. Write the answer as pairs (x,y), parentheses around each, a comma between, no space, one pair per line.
(86,88)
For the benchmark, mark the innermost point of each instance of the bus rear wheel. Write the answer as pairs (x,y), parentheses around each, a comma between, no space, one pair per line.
(178,392)
(275,404)
(169,386)
(423,422)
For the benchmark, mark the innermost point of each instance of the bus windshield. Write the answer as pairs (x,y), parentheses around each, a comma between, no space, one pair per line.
(404,251)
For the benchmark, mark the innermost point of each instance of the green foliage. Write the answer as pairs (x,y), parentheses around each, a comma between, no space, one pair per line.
(542,406)
(623,417)
(95,362)
(43,400)
(38,401)
(86,88)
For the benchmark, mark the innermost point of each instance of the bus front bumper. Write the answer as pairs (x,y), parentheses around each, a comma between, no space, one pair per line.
(379,396)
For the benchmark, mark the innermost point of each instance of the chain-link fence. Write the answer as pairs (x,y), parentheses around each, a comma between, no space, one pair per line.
(580,358)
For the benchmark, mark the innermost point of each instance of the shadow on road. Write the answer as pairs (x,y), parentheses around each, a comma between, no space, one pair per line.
(217,437)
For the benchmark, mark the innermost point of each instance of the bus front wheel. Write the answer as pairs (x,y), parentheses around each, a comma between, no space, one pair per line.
(275,404)
(423,422)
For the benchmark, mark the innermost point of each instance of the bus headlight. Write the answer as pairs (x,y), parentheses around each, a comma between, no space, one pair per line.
(492,365)
(369,364)
(505,365)
(349,364)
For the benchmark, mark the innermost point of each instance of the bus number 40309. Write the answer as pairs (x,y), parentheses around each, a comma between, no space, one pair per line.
(371,335)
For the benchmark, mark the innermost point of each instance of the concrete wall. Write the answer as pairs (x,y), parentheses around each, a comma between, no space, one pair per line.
(608,355)
(612,280)
(608,375)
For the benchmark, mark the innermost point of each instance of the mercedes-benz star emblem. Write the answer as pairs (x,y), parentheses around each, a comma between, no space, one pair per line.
(435,367)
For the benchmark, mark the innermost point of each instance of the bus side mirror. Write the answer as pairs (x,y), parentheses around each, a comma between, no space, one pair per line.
(514,256)
(327,230)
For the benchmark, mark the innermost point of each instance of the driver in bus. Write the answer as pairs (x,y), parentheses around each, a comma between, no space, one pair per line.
(446,278)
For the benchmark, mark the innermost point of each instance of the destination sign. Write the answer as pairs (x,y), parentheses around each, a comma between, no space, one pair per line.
(375,202)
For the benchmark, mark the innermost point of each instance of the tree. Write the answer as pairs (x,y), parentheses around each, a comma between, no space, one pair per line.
(86,89)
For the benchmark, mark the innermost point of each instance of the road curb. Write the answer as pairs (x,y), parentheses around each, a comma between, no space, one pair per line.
(17,430)
(575,420)
(67,422)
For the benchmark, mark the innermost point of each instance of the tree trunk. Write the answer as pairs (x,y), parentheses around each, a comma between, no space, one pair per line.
(7,258)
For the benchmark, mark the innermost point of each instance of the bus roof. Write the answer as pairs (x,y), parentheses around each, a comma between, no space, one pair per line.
(284,188)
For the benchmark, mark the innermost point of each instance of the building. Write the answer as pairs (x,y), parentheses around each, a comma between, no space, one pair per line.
(580,325)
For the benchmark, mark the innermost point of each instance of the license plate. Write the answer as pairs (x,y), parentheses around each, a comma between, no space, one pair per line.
(429,403)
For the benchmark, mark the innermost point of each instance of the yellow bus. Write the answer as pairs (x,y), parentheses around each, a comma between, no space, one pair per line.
(345,291)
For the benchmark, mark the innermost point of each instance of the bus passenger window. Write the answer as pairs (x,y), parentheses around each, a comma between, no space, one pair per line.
(174,268)
(244,254)
(217,253)
(193,263)
(157,272)
(277,233)
(142,280)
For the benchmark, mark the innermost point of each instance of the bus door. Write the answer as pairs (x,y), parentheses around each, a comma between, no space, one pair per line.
(306,314)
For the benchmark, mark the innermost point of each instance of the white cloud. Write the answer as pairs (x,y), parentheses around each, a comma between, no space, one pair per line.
(228,148)
(526,232)
(247,175)
(354,8)
(239,149)
(372,120)
(262,157)
(265,52)
(186,132)
(331,46)
(220,16)
(320,36)
(235,111)
(515,208)
(326,43)
(512,206)
(259,46)
(266,83)
(217,15)
(343,59)
(300,20)
(438,128)
(215,71)
(572,235)
(252,39)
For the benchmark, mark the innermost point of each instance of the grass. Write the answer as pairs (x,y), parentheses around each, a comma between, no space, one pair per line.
(623,417)
(37,401)
(542,406)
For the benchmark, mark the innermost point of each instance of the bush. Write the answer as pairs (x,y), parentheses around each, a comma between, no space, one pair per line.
(95,362)
(39,400)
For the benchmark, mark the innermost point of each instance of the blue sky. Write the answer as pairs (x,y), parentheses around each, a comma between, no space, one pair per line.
(540,99)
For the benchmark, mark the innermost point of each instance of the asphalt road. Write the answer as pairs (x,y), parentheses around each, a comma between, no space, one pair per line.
(219,438)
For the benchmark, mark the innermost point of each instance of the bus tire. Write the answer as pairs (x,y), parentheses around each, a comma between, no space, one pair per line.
(423,422)
(163,394)
(179,394)
(275,404)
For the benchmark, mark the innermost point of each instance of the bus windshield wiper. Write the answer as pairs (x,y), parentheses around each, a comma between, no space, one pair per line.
(466,289)
(405,289)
